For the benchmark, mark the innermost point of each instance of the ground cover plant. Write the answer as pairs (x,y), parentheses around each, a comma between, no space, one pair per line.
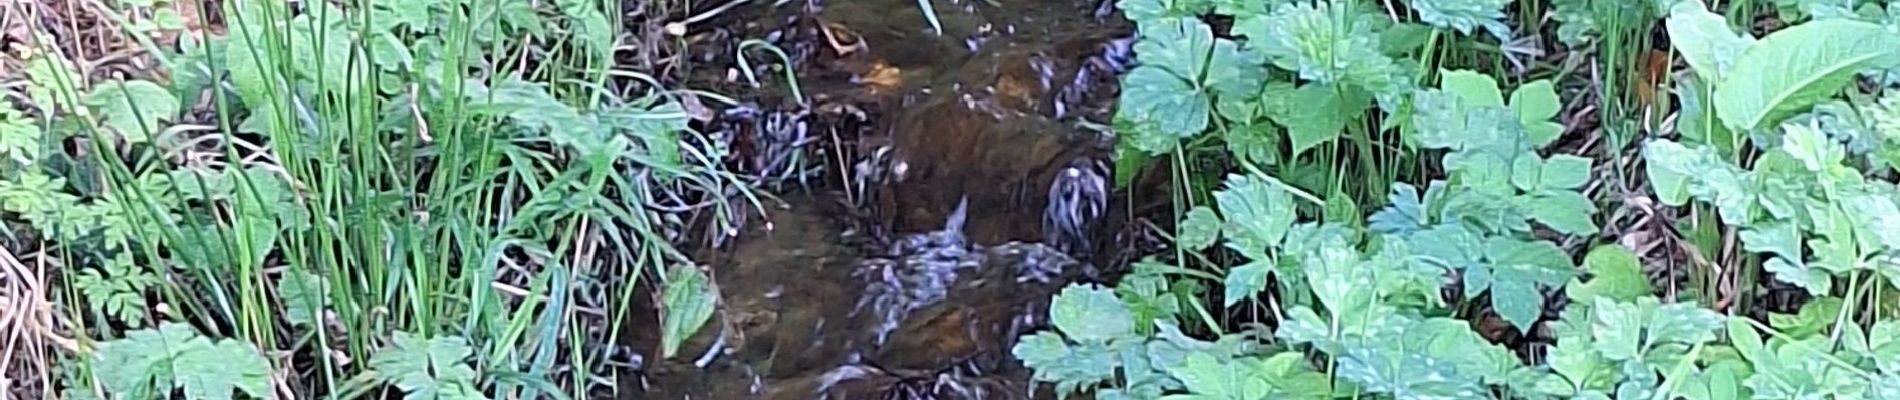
(1424,199)
(1719,229)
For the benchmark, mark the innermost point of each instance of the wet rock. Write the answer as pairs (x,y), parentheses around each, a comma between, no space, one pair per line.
(1004,161)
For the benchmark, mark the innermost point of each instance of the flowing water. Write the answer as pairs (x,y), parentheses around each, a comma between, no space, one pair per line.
(968,183)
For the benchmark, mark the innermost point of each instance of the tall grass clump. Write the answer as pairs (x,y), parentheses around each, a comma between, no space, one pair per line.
(445,199)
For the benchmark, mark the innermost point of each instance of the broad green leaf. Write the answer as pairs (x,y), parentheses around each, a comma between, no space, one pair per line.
(1245,281)
(1515,297)
(1814,149)
(152,363)
(1464,16)
(1321,114)
(1616,274)
(1151,95)
(1168,91)
(1565,172)
(1536,103)
(1406,213)
(1090,313)
(1054,361)
(1815,318)
(1326,43)
(1198,230)
(1582,366)
(1794,68)
(1254,143)
(1704,39)
(1669,167)
(1564,211)
(1471,87)
(428,368)
(211,371)
(1518,268)
(1143,11)
(1258,213)
(1341,282)
(689,300)
(1209,378)
(1815,280)
(304,296)
(134,109)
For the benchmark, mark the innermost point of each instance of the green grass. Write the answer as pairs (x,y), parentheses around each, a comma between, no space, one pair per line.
(467,186)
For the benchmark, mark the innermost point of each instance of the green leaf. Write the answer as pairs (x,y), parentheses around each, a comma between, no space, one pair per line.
(1245,281)
(689,300)
(1258,213)
(211,372)
(1344,284)
(1704,39)
(1322,113)
(1815,280)
(1143,11)
(1616,274)
(1564,211)
(1518,268)
(1465,15)
(428,368)
(1472,88)
(1199,230)
(1515,297)
(133,108)
(1794,68)
(1814,149)
(1211,379)
(19,136)
(1085,365)
(1325,43)
(1151,95)
(51,74)
(1536,103)
(304,297)
(1183,67)
(1565,172)
(174,357)
(1090,313)
(1405,214)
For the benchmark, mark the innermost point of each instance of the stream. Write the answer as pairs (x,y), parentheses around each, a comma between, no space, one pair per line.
(962,179)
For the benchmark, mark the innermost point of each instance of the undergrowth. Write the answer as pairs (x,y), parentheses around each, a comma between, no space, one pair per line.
(1407,201)
(431,199)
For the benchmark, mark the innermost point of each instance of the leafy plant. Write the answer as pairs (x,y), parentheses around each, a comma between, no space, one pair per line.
(120,290)
(152,363)
(428,368)
(1477,224)
(19,136)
